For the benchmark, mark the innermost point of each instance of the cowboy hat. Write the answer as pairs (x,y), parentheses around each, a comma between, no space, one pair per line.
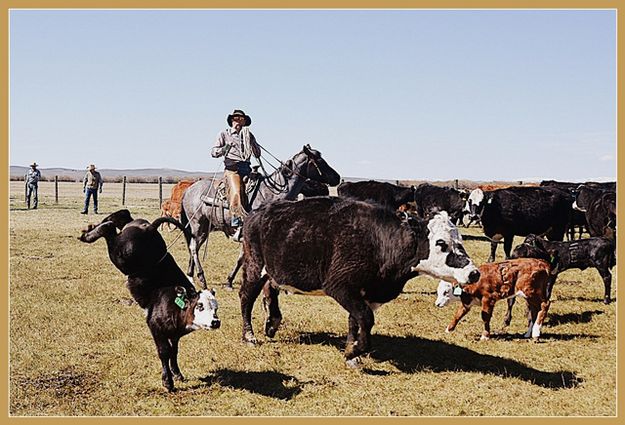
(91,167)
(239,113)
(34,164)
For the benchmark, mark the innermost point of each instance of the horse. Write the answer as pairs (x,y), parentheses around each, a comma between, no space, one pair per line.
(284,183)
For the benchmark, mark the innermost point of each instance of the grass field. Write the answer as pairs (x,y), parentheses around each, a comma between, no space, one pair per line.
(79,346)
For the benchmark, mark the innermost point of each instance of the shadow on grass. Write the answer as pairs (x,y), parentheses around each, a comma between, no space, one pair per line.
(413,354)
(268,383)
(562,319)
(596,300)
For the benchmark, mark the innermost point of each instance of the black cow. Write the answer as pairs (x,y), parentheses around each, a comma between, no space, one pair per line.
(523,210)
(314,188)
(140,252)
(173,306)
(599,207)
(359,253)
(591,252)
(383,193)
(432,199)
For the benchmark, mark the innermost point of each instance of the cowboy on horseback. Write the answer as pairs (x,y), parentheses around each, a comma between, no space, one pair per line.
(236,144)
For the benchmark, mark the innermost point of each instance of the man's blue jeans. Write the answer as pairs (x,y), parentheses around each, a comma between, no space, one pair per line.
(31,192)
(88,193)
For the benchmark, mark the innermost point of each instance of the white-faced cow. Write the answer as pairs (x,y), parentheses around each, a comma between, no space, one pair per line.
(359,253)
(524,277)
(173,307)
(473,207)
(523,210)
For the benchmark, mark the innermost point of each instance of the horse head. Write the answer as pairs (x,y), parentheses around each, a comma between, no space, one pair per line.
(309,164)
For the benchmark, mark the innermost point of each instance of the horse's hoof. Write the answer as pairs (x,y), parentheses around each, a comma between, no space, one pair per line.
(228,287)
(607,300)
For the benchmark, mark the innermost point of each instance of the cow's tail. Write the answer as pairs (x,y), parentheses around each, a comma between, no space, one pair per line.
(161,220)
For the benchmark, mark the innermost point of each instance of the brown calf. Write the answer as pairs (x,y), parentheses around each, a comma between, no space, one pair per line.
(524,277)
(171,207)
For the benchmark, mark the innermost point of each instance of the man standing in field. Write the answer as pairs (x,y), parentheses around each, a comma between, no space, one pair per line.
(32,183)
(92,183)
(236,144)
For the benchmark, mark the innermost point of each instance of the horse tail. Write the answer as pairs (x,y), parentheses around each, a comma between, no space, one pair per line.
(184,220)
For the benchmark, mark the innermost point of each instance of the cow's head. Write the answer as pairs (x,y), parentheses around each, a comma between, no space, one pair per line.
(445,294)
(447,258)
(205,311)
(474,204)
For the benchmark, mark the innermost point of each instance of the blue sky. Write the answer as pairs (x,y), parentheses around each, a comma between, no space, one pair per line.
(394,94)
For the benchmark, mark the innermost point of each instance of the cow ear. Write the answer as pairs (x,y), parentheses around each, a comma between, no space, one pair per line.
(307,149)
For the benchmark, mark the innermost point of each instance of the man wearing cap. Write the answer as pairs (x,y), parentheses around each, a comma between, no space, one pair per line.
(90,185)
(236,144)
(32,183)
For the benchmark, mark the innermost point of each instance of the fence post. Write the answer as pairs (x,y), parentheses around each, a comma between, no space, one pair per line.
(25,188)
(56,189)
(160,191)
(124,191)
(456,184)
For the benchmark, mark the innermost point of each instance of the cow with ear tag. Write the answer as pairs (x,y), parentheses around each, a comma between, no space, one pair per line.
(173,313)
(359,253)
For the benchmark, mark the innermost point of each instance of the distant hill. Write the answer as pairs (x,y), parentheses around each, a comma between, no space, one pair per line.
(17,172)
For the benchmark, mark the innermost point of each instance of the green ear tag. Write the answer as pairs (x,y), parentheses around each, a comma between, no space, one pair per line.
(553,260)
(457,291)
(179,301)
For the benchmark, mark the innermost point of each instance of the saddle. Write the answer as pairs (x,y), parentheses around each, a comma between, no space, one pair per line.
(220,199)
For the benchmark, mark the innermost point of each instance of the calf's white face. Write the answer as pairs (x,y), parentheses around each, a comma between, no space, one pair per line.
(473,203)
(205,312)
(445,294)
(447,259)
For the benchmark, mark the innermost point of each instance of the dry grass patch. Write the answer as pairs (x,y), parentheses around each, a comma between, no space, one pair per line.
(80,346)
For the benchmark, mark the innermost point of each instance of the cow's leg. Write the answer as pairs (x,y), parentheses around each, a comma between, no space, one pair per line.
(173,360)
(507,245)
(540,318)
(550,283)
(352,333)
(487,313)
(508,317)
(462,310)
(493,251)
(235,270)
(252,284)
(606,275)
(362,314)
(93,233)
(534,307)
(163,347)
(272,308)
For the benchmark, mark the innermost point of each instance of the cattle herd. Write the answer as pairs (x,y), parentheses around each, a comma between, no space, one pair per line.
(362,247)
